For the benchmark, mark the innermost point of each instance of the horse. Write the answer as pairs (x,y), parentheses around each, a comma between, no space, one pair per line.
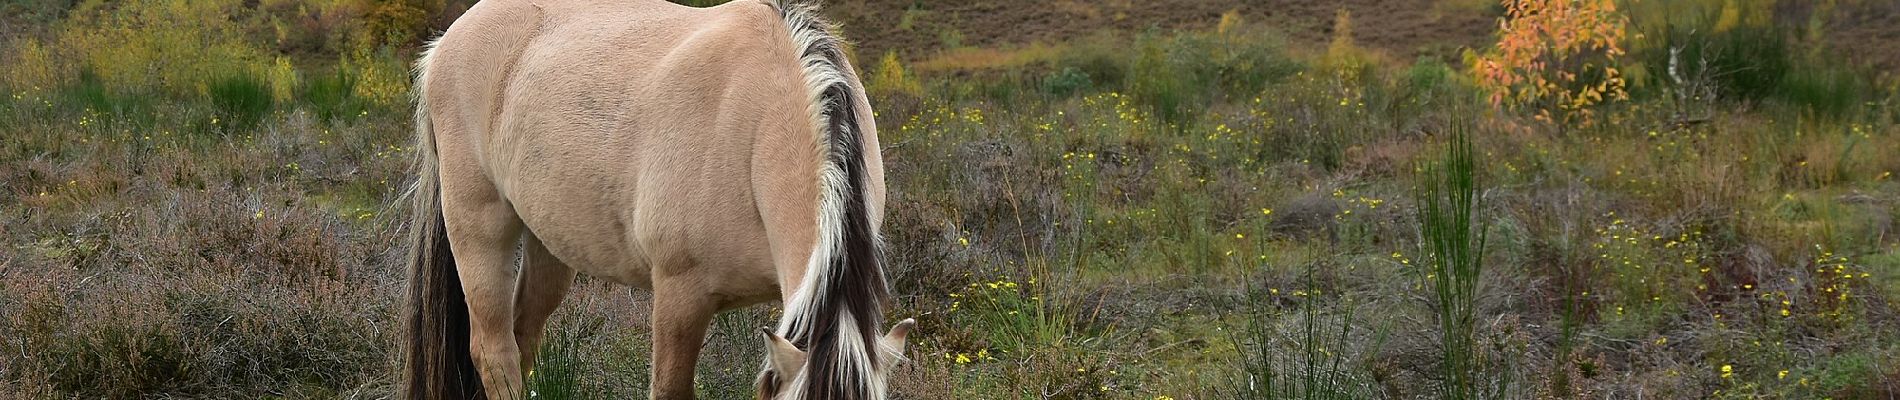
(718,157)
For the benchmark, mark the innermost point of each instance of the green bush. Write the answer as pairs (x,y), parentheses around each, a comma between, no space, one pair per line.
(242,98)
(1741,64)
(88,92)
(1823,90)
(331,95)
(1700,54)
(1100,57)
(1162,85)
(1426,76)
(1066,82)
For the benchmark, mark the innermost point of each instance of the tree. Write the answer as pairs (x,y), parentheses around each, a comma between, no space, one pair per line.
(1560,57)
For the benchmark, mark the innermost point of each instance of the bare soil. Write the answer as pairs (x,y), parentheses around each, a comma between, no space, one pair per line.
(1868,32)
(918,29)
(1862,32)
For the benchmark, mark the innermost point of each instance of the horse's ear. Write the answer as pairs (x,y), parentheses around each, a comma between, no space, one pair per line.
(894,340)
(786,359)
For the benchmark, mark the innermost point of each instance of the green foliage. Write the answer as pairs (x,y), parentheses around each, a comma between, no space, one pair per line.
(332,95)
(1314,119)
(1066,82)
(1427,76)
(1165,86)
(1102,58)
(1738,51)
(154,46)
(1308,361)
(1453,233)
(1181,74)
(1127,223)
(90,93)
(1825,89)
(1745,63)
(244,99)
(391,23)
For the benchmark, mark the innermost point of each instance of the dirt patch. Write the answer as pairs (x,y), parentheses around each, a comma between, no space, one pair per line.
(1402,28)
(1862,32)
(1865,32)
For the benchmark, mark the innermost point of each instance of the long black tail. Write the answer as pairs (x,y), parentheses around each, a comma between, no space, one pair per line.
(436,362)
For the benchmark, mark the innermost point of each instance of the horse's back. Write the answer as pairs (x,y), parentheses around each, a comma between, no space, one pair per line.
(621,132)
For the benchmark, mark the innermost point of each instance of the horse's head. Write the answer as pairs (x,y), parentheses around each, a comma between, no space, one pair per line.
(785,363)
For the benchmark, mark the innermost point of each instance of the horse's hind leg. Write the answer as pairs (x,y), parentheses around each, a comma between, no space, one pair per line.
(543,284)
(483,230)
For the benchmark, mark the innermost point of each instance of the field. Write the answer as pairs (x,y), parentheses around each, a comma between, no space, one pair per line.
(1182,199)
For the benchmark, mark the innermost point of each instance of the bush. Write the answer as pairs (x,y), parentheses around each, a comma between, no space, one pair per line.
(244,99)
(1705,52)
(332,95)
(1066,82)
(1100,57)
(1824,90)
(891,79)
(158,46)
(1427,75)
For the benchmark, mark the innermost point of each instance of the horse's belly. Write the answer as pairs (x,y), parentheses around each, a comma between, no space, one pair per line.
(580,225)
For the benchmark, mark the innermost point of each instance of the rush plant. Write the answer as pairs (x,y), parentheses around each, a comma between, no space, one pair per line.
(1453,238)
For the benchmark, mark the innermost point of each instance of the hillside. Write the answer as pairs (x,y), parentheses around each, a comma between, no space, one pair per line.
(1171,199)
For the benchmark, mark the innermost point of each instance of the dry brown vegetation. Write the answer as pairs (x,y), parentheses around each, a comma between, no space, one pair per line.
(1169,199)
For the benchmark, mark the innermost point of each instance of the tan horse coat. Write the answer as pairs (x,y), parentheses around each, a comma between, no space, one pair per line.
(654,145)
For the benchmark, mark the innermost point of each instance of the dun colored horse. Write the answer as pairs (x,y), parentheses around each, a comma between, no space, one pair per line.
(719,157)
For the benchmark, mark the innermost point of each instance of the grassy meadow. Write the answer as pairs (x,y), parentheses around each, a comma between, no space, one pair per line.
(197,201)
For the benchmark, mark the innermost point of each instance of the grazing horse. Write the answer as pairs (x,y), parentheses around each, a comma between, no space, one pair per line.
(719,157)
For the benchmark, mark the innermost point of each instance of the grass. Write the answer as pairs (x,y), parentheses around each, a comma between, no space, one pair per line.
(1216,214)
(1308,359)
(1453,236)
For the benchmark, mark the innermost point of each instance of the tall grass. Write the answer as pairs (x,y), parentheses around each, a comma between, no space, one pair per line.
(1453,235)
(1317,363)
(242,98)
(1054,230)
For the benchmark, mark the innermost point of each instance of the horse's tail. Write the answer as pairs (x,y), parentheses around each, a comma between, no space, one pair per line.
(436,363)
(838,308)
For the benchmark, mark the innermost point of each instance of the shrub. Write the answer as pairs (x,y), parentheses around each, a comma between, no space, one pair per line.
(1066,82)
(380,77)
(1164,86)
(1826,90)
(1427,75)
(243,99)
(158,46)
(1100,57)
(32,65)
(1736,51)
(890,79)
(391,23)
(332,95)
(1558,57)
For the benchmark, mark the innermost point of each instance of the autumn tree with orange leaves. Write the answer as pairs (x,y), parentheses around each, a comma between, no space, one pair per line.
(1558,57)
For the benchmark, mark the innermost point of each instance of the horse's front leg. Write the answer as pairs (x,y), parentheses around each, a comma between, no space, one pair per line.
(681,315)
